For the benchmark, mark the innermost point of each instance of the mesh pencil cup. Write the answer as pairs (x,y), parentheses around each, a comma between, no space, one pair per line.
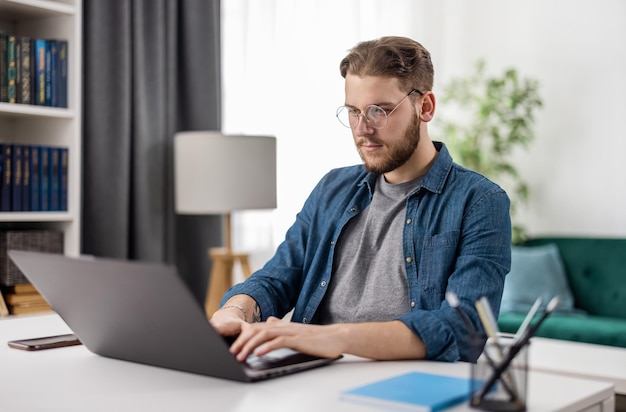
(500,376)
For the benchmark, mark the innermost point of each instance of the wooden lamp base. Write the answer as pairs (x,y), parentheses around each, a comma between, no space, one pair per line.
(222,275)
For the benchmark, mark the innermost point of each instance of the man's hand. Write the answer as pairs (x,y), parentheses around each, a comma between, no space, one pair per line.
(235,313)
(228,321)
(261,338)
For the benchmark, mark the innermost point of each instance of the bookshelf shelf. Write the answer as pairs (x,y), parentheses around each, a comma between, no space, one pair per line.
(28,9)
(36,217)
(9,110)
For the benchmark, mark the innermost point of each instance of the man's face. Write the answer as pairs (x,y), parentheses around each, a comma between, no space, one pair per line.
(387,149)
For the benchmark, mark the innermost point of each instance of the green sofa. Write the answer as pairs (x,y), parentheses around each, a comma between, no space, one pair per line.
(594,307)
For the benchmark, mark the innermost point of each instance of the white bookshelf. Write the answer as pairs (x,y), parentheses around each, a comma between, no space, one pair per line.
(30,124)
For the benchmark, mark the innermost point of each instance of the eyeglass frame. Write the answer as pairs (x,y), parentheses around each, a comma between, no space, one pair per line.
(358,116)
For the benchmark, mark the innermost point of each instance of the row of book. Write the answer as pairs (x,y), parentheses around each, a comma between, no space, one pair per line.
(33,178)
(33,71)
(21,299)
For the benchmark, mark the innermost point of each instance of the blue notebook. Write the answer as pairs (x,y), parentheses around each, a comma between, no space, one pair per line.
(414,391)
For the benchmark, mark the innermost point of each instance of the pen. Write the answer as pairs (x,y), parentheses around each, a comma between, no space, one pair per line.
(491,327)
(529,317)
(490,316)
(517,346)
(453,300)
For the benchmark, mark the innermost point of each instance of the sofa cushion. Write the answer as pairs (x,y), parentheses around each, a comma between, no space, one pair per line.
(536,272)
(573,326)
(596,271)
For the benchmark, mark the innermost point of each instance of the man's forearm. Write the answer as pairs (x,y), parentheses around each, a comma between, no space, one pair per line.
(382,340)
(246,306)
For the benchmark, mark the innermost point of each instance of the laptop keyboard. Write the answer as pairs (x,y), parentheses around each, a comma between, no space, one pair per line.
(271,359)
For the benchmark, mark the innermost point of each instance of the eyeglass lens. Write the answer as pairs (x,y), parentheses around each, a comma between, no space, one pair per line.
(375,116)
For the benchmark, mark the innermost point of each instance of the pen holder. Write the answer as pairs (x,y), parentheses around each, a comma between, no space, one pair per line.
(500,375)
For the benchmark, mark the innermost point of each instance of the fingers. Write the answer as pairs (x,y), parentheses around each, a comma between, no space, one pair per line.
(248,340)
(264,337)
(226,325)
(261,338)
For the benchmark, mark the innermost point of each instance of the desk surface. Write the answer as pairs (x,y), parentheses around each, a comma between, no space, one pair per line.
(73,379)
(590,361)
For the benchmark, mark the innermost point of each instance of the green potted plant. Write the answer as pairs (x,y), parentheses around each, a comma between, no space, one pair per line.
(487,118)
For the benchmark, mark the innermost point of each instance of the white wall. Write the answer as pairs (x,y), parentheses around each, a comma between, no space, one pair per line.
(281,77)
(576,167)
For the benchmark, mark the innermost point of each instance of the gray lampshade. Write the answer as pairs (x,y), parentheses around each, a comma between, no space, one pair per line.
(217,174)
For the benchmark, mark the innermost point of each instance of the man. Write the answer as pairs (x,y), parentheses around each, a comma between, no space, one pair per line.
(374,250)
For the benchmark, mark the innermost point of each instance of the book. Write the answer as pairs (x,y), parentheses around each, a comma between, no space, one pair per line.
(16,171)
(63,153)
(25,309)
(25,71)
(53,176)
(413,391)
(44,178)
(4,309)
(24,299)
(12,68)
(5,177)
(52,58)
(4,66)
(26,178)
(34,179)
(62,73)
(40,72)
(20,288)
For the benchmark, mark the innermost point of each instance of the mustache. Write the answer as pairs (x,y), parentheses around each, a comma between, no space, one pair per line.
(368,142)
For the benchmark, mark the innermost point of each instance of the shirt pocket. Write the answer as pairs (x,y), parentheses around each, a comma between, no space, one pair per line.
(437,263)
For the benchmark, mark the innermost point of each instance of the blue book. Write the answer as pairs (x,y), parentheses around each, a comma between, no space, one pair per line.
(415,391)
(53,176)
(62,73)
(4,67)
(44,179)
(40,72)
(34,179)
(5,177)
(63,162)
(12,68)
(16,171)
(50,72)
(26,207)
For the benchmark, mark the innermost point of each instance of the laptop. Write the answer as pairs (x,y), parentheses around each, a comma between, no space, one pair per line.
(143,312)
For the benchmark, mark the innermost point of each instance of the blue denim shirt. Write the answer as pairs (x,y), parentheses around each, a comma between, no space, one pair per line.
(457,237)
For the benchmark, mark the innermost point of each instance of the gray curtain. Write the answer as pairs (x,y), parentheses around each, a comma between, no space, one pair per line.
(151,68)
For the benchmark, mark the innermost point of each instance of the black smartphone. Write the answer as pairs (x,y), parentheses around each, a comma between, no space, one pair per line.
(47,342)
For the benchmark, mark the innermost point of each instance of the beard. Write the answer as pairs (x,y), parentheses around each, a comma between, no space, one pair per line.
(399,152)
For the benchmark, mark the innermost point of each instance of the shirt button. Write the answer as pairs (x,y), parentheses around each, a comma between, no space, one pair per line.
(353,209)
(323,283)
(409,260)
(408,221)
(305,320)
(413,304)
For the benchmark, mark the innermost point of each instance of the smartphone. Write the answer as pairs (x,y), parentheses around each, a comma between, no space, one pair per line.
(48,342)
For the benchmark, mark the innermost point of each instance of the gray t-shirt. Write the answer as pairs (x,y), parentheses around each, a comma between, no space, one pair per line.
(369,280)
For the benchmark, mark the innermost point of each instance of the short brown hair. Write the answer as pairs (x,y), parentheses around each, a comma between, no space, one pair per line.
(394,57)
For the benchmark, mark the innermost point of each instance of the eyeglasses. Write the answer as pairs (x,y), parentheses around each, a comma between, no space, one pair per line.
(376,116)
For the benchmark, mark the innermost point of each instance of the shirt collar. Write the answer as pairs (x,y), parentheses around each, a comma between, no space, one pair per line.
(435,178)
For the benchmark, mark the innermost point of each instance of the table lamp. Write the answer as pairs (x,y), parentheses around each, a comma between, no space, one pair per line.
(216,174)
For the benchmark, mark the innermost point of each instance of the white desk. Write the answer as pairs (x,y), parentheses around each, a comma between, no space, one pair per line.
(73,379)
(598,362)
